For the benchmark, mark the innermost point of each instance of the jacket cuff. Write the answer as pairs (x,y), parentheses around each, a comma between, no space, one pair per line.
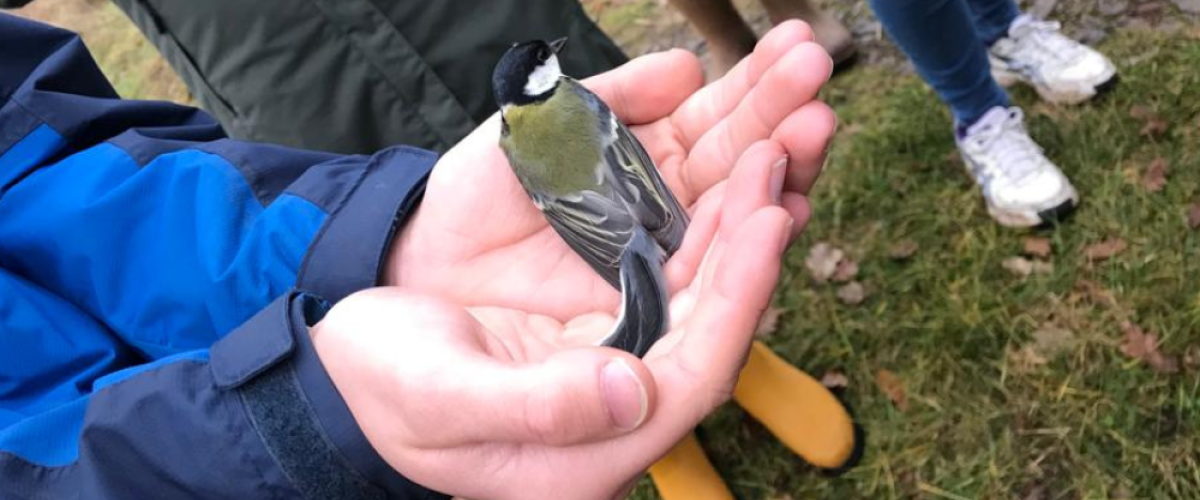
(351,250)
(296,409)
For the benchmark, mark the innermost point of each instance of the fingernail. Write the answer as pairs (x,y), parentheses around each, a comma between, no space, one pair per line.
(786,235)
(778,174)
(624,394)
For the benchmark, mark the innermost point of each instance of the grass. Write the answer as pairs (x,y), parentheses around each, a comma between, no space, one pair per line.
(1092,423)
(1089,424)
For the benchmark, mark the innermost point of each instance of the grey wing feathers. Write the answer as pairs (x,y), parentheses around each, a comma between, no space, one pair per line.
(644,308)
(594,228)
(643,189)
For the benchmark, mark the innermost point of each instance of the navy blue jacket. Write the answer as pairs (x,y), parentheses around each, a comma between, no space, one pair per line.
(156,282)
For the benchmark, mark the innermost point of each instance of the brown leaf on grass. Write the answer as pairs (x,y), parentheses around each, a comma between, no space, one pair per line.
(822,261)
(852,293)
(846,270)
(893,387)
(1105,250)
(1024,359)
(1143,346)
(768,323)
(1096,293)
(1194,215)
(1154,178)
(1048,341)
(1019,266)
(1023,267)
(1141,112)
(903,249)
(1154,126)
(834,379)
(1037,246)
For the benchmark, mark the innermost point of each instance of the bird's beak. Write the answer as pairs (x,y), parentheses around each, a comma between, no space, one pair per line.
(557,45)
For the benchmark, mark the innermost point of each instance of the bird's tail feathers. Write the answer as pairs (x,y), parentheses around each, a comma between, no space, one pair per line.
(644,302)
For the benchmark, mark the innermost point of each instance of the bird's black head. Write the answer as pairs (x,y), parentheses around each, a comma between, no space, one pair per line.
(527,73)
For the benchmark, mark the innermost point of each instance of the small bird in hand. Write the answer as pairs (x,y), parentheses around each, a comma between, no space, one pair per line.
(594,182)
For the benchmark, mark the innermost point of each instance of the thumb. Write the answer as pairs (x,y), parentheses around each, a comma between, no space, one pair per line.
(575,396)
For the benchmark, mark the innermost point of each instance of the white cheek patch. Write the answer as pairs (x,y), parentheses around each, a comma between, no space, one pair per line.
(544,78)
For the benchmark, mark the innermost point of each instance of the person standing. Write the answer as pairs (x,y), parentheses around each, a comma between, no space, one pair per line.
(355,76)
(730,39)
(966,50)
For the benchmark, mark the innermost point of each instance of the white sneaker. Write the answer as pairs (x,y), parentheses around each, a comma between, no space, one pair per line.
(1022,188)
(1062,70)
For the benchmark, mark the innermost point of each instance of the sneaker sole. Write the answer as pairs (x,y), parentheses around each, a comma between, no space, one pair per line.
(1042,218)
(1068,97)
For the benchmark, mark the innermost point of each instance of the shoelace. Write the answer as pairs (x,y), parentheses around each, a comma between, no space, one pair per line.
(1014,155)
(1044,43)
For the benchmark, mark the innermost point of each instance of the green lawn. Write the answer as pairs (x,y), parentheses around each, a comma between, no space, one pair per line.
(983,421)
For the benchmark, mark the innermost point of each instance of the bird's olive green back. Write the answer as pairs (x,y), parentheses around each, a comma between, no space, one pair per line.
(555,144)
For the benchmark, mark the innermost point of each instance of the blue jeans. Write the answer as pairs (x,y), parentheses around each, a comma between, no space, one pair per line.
(947,41)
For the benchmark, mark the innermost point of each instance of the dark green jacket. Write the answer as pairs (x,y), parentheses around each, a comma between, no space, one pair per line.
(354,76)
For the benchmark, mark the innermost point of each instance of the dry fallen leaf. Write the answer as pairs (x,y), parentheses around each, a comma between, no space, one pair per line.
(1025,359)
(846,270)
(1152,123)
(834,379)
(822,261)
(1194,215)
(1154,126)
(903,249)
(1019,266)
(893,387)
(1037,247)
(1050,340)
(852,293)
(768,322)
(1140,112)
(1105,250)
(1023,267)
(1154,179)
(1096,293)
(1143,346)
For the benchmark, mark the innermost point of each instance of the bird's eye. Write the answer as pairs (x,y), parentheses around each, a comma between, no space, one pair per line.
(543,55)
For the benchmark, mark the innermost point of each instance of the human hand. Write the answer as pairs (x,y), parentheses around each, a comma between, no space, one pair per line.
(505,403)
(477,239)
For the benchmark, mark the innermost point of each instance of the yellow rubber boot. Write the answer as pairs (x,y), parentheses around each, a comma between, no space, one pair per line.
(797,409)
(686,474)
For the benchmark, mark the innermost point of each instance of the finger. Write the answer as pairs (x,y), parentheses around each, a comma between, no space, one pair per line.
(806,135)
(649,87)
(715,101)
(727,311)
(790,83)
(798,206)
(756,182)
(681,268)
(575,396)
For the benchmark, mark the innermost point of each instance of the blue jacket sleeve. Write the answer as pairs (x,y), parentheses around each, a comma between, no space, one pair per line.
(156,281)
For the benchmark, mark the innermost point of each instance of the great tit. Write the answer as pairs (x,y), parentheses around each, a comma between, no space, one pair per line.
(594,182)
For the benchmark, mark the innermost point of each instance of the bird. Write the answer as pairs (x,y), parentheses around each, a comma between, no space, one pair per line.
(594,182)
